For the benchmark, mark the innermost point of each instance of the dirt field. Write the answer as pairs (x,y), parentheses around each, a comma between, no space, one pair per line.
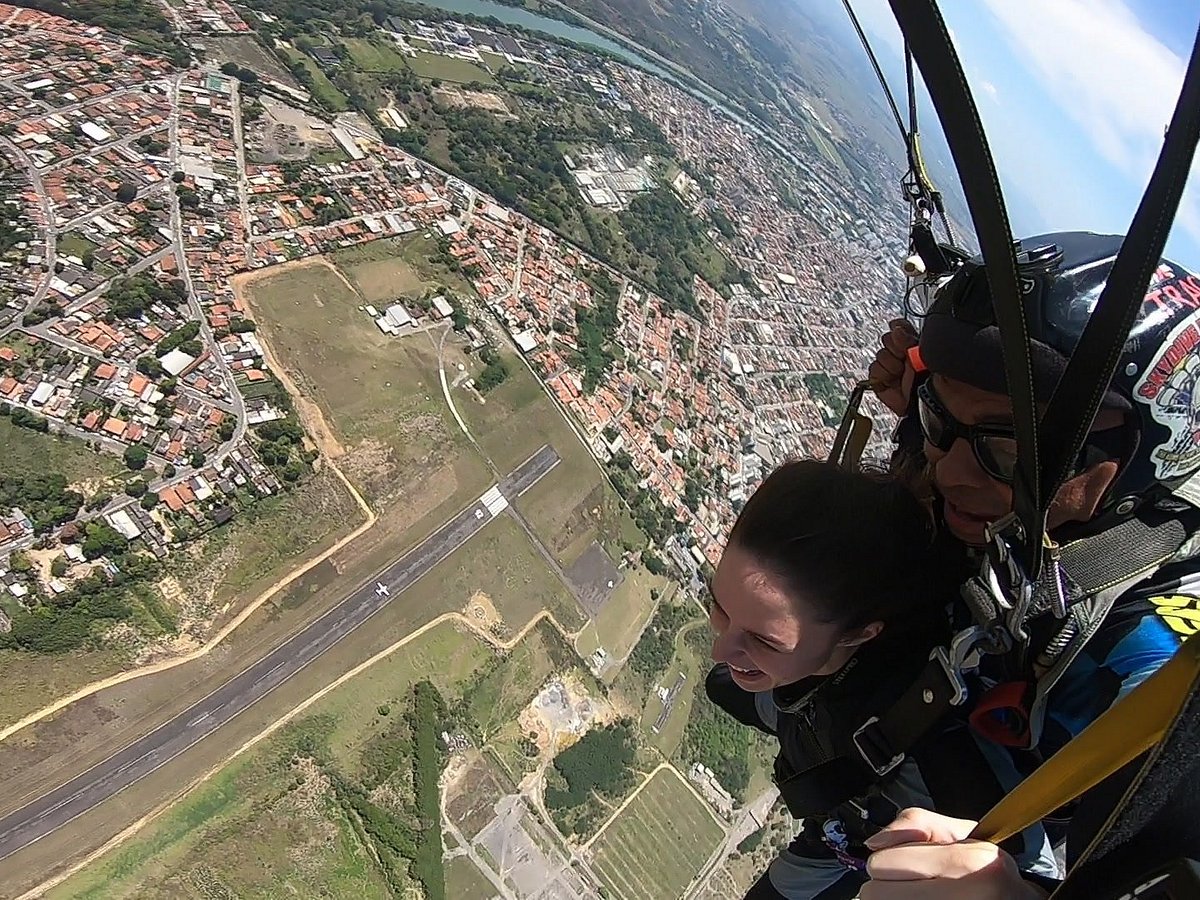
(386,280)
(246,51)
(471,793)
(381,394)
(267,826)
(658,843)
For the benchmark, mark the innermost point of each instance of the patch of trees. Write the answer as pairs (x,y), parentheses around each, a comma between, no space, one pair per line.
(45,498)
(241,73)
(664,231)
(601,762)
(412,138)
(595,328)
(656,648)
(182,338)
(723,223)
(720,742)
(135,456)
(651,516)
(428,712)
(830,397)
(23,418)
(654,565)
(70,620)
(280,443)
(414,836)
(132,296)
(494,373)
(152,145)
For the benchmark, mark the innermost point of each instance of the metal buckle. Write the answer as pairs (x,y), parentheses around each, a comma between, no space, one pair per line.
(867,758)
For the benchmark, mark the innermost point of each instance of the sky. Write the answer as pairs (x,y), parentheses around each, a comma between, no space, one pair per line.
(1075,96)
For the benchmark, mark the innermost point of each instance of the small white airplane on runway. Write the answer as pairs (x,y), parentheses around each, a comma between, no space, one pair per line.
(382,589)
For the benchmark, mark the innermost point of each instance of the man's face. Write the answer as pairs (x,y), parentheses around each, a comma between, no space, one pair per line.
(972,497)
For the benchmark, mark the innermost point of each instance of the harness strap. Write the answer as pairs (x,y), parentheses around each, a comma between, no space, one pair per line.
(1124,732)
(878,746)
(926,33)
(1078,394)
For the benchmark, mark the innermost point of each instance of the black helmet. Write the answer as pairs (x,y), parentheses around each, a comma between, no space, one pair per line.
(1061,275)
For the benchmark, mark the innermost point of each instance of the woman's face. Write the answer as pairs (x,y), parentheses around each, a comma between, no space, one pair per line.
(767,637)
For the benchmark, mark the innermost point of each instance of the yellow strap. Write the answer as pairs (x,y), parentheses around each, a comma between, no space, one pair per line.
(1123,733)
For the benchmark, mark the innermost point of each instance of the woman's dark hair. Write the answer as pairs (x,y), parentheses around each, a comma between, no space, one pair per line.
(858,546)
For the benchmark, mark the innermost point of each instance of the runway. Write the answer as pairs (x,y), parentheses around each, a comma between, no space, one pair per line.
(40,817)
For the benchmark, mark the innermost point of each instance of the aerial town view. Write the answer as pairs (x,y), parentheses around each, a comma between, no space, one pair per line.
(379,382)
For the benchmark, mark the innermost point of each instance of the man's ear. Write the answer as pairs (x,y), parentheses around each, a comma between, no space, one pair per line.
(863,635)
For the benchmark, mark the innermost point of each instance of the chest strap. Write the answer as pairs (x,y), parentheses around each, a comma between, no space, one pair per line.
(882,742)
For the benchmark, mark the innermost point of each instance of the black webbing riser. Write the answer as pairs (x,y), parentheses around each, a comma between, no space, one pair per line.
(927,36)
(1077,396)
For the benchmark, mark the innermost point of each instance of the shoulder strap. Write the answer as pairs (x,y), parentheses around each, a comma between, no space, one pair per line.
(1077,396)
(926,33)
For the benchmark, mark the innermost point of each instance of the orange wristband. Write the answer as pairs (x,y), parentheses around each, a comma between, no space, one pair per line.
(914,359)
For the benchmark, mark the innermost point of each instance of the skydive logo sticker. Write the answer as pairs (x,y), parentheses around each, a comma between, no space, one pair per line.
(1170,388)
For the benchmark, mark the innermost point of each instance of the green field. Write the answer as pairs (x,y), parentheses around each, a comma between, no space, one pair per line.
(267,826)
(827,149)
(495,61)
(269,537)
(465,882)
(688,663)
(407,260)
(374,56)
(573,505)
(505,565)
(28,452)
(658,843)
(322,88)
(73,244)
(623,615)
(509,686)
(448,68)
(381,394)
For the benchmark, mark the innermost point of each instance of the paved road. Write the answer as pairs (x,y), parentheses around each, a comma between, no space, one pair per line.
(39,818)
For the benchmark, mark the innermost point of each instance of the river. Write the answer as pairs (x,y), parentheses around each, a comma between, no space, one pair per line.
(525,18)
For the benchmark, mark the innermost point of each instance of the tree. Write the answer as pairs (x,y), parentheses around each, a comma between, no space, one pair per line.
(59,566)
(196,460)
(136,456)
(127,192)
(178,177)
(88,258)
(149,500)
(230,68)
(168,471)
(102,539)
(135,487)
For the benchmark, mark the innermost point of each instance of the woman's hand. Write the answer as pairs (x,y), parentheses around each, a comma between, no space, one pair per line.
(891,372)
(928,856)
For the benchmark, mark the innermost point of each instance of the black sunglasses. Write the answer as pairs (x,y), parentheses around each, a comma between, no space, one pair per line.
(995,446)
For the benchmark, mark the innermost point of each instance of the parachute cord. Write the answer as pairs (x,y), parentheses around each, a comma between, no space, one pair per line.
(887,91)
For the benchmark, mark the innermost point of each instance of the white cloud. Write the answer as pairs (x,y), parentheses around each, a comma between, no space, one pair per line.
(1107,73)
(988,88)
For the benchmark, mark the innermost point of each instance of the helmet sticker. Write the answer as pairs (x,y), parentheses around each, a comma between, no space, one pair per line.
(1170,389)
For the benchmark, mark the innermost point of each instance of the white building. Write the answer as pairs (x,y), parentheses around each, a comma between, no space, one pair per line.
(95,132)
(442,306)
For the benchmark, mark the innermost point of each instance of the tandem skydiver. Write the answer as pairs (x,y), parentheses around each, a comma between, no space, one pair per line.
(1127,519)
